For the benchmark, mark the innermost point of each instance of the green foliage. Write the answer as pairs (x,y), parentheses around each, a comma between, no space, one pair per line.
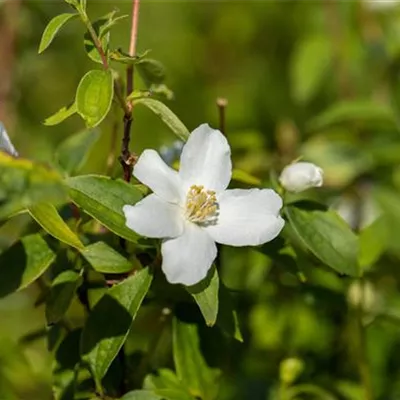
(102,338)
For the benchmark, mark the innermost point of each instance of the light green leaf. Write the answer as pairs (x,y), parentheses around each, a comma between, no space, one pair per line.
(166,384)
(24,183)
(102,338)
(23,263)
(151,71)
(206,296)
(327,236)
(354,111)
(309,65)
(166,115)
(141,395)
(73,153)
(61,115)
(94,96)
(105,259)
(103,198)
(52,28)
(191,368)
(61,294)
(47,216)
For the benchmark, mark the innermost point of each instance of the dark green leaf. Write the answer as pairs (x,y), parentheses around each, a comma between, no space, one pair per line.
(167,116)
(191,368)
(52,28)
(109,322)
(327,236)
(105,259)
(103,198)
(47,216)
(73,153)
(94,96)
(151,71)
(205,294)
(61,294)
(24,184)
(23,263)
(61,115)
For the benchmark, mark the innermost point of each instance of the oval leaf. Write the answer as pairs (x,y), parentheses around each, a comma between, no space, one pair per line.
(61,294)
(73,153)
(23,263)
(167,116)
(327,236)
(94,96)
(206,296)
(52,28)
(47,216)
(191,368)
(102,338)
(151,71)
(103,198)
(105,259)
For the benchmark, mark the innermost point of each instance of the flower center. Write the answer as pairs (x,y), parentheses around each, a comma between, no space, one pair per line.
(201,205)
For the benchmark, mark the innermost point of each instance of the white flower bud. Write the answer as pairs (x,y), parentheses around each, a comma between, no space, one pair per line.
(5,142)
(301,176)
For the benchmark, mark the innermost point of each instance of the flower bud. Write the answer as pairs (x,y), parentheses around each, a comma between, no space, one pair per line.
(301,176)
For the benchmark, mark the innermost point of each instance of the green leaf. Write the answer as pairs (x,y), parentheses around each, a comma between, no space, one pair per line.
(191,368)
(244,177)
(61,115)
(151,71)
(166,384)
(108,324)
(73,153)
(103,198)
(94,96)
(309,65)
(52,28)
(24,183)
(205,294)
(47,216)
(141,395)
(167,116)
(327,236)
(105,259)
(23,263)
(61,294)
(354,111)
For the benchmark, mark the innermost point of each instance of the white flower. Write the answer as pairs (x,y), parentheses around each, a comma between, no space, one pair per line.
(191,209)
(5,142)
(301,176)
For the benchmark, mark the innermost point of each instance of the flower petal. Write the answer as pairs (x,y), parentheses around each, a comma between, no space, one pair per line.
(151,170)
(206,159)
(247,217)
(153,217)
(187,258)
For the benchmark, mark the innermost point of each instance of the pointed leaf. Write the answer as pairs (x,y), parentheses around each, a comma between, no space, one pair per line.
(206,296)
(94,96)
(52,28)
(167,116)
(151,71)
(47,216)
(327,236)
(61,115)
(103,198)
(61,294)
(191,368)
(105,259)
(109,322)
(23,263)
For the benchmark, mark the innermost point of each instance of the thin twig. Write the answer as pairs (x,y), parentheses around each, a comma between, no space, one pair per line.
(221,104)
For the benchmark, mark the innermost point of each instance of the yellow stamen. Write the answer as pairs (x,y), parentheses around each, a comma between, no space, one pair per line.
(201,205)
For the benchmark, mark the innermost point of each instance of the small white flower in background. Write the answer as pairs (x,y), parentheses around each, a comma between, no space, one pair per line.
(5,142)
(191,209)
(300,176)
(381,5)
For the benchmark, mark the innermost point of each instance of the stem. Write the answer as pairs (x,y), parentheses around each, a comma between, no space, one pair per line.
(126,157)
(221,104)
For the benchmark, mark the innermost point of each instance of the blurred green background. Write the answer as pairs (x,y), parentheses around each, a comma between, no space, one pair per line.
(318,79)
